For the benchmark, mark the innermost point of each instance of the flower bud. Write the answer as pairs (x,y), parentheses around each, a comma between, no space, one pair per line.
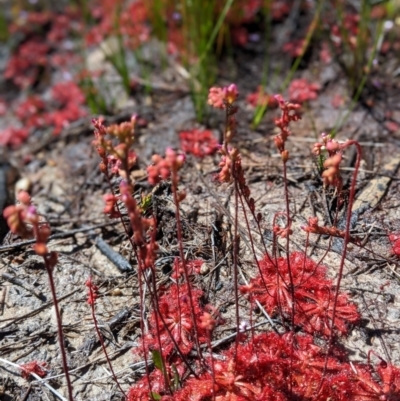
(285,156)
(332,146)
(24,198)
(41,249)
(279,143)
(234,153)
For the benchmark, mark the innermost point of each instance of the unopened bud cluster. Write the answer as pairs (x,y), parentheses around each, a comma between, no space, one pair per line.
(24,220)
(116,158)
(334,149)
(164,168)
(224,98)
(314,228)
(289,112)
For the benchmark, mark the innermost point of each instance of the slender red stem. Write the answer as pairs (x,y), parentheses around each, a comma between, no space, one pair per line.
(346,233)
(49,269)
(139,280)
(252,242)
(344,253)
(288,242)
(99,335)
(235,258)
(183,260)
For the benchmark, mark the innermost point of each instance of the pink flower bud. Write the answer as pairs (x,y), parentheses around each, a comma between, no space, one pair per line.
(285,156)
(332,146)
(333,161)
(24,198)
(279,143)
(41,249)
(231,93)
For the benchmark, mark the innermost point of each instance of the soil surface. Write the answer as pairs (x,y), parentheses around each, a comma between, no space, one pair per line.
(68,188)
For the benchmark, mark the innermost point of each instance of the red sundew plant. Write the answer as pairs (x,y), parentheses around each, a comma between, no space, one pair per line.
(293,289)
(197,142)
(177,321)
(37,367)
(298,361)
(41,41)
(295,48)
(65,106)
(120,19)
(300,91)
(260,98)
(70,99)
(313,294)
(13,136)
(49,42)
(47,45)
(394,238)
(23,67)
(262,366)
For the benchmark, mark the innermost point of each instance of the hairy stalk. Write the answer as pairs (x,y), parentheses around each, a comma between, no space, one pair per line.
(279,276)
(99,335)
(347,230)
(252,243)
(235,258)
(154,301)
(49,269)
(142,329)
(183,260)
(141,306)
(286,191)
(344,253)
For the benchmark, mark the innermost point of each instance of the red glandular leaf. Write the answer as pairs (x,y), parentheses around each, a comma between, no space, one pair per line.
(174,307)
(316,313)
(140,391)
(306,275)
(366,387)
(272,367)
